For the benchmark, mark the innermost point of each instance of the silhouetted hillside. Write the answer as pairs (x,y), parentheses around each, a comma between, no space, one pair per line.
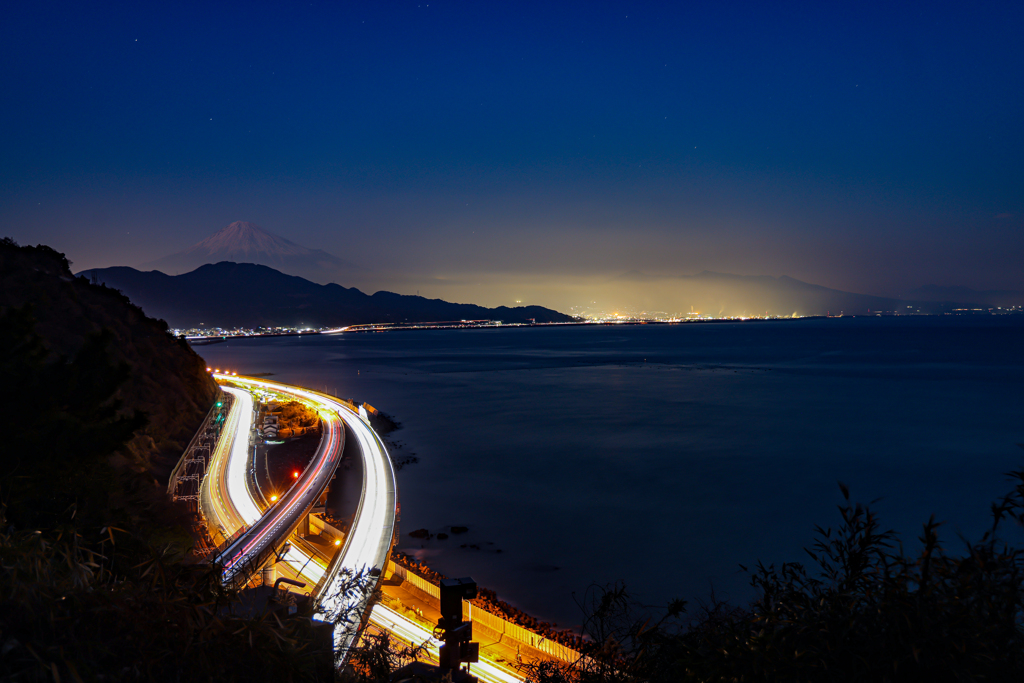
(247,295)
(166,380)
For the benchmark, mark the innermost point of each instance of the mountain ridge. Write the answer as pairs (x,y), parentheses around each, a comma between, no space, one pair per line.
(229,294)
(242,241)
(167,380)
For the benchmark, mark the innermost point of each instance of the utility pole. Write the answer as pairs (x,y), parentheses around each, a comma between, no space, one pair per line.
(456,633)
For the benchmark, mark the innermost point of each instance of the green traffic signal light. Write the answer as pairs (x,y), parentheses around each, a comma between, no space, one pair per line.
(219,404)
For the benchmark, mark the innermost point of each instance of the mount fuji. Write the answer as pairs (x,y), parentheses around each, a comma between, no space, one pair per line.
(244,242)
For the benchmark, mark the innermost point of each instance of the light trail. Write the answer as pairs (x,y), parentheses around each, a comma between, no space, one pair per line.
(415,634)
(369,540)
(238,492)
(215,500)
(267,532)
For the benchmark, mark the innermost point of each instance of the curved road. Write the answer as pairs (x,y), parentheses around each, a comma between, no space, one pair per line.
(369,541)
(216,502)
(267,533)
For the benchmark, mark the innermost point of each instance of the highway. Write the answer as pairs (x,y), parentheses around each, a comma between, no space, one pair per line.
(266,533)
(366,546)
(368,543)
(216,502)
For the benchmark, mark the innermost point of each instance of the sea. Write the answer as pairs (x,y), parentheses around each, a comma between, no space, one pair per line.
(668,457)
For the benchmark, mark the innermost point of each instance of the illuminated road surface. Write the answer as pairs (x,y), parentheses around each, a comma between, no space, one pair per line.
(266,532)
(217,503)
(369,541)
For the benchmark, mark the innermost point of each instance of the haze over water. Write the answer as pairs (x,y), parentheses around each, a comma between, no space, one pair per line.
(666,456)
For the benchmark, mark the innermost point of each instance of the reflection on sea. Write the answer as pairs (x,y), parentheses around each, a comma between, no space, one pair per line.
(667,456)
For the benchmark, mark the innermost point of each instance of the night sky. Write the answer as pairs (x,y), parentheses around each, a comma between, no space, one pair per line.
(493,151)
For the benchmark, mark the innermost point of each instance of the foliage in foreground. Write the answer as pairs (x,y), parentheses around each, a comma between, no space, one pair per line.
(93,582)
(76,608)
(93,587)
(863,610)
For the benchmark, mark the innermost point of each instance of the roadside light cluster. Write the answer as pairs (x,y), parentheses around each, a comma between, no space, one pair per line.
(368,541)
(218,372)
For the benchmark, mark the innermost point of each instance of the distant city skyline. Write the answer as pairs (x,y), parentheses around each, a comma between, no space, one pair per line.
(528,151)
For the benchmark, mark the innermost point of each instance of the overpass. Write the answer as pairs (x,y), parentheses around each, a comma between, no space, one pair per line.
(264,534)
(233,507)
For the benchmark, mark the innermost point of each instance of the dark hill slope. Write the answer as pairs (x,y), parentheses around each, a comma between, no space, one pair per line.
(247,295)
(167,380)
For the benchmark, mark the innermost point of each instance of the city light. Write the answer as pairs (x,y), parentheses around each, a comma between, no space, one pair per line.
(273,498)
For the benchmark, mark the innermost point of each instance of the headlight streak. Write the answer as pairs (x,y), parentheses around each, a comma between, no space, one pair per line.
(215,501)
(415,634)
(237,490)
(270,528)
(369,540)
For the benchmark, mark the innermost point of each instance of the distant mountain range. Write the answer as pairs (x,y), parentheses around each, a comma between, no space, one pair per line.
(964,295)
(230,294)
(725,294)
(249,243)
(708,292)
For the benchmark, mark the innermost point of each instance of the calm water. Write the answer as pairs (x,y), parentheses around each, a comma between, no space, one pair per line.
(667,456)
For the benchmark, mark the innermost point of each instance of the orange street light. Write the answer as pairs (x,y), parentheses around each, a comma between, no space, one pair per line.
(273,499)
(337,542)
(295,475)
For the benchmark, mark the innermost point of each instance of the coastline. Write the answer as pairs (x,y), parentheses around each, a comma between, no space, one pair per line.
(721,466)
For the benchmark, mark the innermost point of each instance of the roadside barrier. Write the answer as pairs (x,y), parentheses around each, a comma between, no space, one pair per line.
(319,527)
(503,629)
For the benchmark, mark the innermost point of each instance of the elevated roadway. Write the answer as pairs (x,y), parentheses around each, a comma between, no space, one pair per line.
(266,533)
(368,542)
(215,501)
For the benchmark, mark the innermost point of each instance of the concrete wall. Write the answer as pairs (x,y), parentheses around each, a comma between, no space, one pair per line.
(318,527)
(492,626)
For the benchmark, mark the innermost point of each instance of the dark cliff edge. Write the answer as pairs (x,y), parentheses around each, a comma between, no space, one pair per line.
(96,581)
(166,381)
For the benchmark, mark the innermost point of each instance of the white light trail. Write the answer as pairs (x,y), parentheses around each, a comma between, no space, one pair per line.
(236,471)
(415,634)
(369,540)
